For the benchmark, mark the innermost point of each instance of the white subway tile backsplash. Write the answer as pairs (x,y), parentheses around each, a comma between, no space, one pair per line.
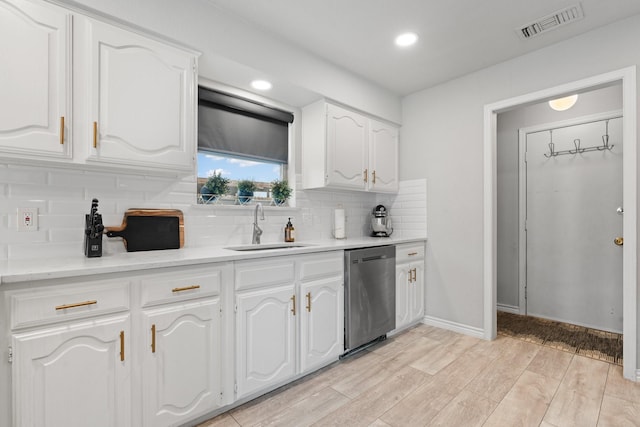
(81,179)
(23,175)
(44,192)
(64,196)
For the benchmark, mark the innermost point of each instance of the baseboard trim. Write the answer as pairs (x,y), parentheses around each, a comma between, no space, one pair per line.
(513,309)
(453,326)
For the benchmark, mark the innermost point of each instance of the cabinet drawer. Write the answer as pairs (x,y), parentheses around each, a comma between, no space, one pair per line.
(410,252)
(319,266)
(61,303)
(180,285)
(255,274)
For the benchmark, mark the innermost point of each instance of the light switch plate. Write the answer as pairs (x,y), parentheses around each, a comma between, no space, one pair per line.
(27,219)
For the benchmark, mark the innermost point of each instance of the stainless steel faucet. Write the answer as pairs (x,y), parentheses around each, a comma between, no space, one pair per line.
(257,231)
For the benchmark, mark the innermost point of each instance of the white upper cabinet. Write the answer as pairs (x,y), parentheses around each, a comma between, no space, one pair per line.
(346,150)
(134,97)
(141,99)
(34,80)
(383,157)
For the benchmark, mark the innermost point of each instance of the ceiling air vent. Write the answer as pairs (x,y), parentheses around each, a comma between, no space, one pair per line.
(552,21)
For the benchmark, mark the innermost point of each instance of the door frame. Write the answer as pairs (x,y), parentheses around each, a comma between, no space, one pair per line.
(522,188)
(629,194)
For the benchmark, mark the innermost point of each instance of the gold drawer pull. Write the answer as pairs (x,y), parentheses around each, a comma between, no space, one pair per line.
(77,304)
(374,177)
(366,175)
(309,302)
(62,130)
(186,288)
(293,306)
(413,253)
(122,346)
(153,338)
(95,134)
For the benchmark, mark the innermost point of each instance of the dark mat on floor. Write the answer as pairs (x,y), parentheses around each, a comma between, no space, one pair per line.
(593,343)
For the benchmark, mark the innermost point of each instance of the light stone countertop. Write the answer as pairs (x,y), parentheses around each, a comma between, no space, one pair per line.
(18,271)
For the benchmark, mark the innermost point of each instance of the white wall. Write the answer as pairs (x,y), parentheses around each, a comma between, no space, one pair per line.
(442,141)
(596,101)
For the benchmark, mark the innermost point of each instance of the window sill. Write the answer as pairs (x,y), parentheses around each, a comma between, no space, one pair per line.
(246,207)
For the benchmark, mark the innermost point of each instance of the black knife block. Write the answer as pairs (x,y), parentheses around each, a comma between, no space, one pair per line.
(92,242)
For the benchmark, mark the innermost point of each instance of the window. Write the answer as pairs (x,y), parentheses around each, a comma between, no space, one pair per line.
(239,139)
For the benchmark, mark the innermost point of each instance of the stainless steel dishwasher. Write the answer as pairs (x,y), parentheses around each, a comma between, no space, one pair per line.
(370,294)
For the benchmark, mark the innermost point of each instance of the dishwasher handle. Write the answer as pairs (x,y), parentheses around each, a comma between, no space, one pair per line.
(373,258)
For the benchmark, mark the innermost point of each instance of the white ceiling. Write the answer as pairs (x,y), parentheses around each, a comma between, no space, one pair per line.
(456,36)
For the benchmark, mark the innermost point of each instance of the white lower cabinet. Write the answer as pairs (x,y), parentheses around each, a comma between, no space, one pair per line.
(321,322)
(76,374)
(181,351)
(265,330)
(161,348)
(409,284)
(145,350)
(289,318)
(181,362)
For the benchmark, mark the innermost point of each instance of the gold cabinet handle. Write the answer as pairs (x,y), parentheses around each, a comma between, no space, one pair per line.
(410,276)
(122,346)
(412,253)
(62,130)
(366,175)
(619,241)
(76,304)
(293,307)
(95,134)
(186,288)
(415,275)
(309,302)
(374,177)
(153,338)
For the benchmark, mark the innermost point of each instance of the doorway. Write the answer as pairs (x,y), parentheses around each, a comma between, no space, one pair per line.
(627,77)
(571,215)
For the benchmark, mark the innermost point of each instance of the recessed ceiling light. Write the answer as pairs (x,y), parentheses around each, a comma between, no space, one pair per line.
(406,39)
(261,85)
(562,104)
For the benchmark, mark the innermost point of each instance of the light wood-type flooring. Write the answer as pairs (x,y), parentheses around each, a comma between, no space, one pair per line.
(433,377)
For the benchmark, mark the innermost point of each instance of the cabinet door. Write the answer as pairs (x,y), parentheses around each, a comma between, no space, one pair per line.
(265,337)
(402,295)
(34,80)
(142,100)
(321,309)
(347,146)
(74,375)
(181,362)
(416,307)
(383,158)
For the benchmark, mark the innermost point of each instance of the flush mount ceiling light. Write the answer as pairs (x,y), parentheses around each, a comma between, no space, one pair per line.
(562,104)
(406,39)
(261,85)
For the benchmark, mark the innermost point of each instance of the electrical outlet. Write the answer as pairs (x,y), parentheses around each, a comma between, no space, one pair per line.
(27,219)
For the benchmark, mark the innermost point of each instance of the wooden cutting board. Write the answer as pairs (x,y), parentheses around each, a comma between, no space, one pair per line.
(150,229)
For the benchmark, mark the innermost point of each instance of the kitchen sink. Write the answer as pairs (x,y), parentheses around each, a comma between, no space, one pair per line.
(267,246)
